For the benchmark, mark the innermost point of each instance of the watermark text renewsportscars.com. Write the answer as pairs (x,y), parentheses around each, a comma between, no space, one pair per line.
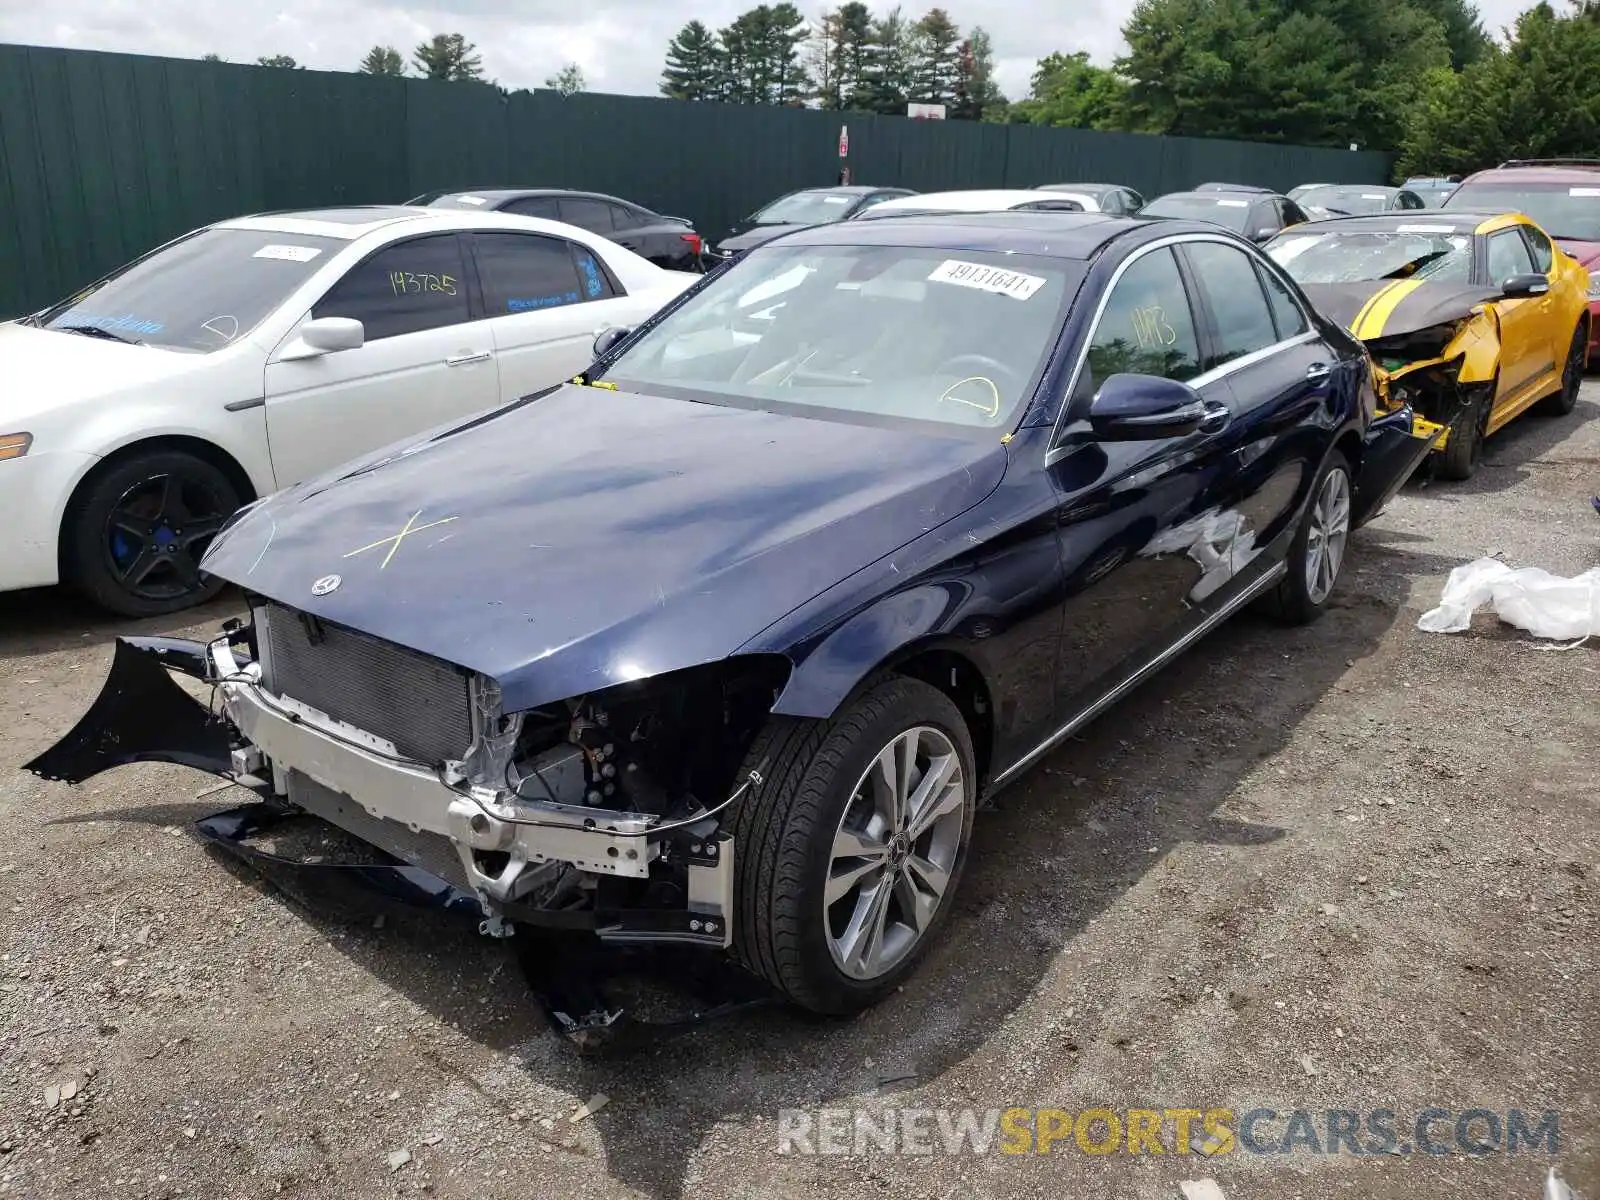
(1205,1131)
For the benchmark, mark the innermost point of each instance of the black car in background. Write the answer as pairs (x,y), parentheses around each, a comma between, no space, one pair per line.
(1253,212)
(1434,190)
(1356,200)
(669,242)
(801,210)
(1113,198)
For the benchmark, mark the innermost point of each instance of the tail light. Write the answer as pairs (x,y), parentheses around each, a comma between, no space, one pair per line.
(695,242)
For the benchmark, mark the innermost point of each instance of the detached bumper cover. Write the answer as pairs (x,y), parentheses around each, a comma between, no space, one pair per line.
(1395,445)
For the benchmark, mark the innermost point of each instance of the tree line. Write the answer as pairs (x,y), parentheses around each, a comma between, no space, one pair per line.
(848,60)
(1420,77)
(445,56)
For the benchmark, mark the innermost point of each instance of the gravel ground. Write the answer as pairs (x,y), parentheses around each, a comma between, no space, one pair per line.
(1348,867)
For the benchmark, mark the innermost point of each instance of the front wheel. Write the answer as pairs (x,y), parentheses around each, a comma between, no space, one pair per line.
(848,852)
(1464,450)
(1317,553)
(134,537)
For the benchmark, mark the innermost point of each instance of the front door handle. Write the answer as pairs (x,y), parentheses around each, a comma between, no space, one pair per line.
(461,360)
(1216,418)
(1318,372)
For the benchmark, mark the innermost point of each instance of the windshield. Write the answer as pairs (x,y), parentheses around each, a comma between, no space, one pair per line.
(1232,211)
(874,332)
(806,208)
(1371,255)
(199,294)
(1564,210)
(1347,201)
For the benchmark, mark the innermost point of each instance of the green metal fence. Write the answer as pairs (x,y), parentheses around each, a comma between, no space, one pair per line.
(104,155)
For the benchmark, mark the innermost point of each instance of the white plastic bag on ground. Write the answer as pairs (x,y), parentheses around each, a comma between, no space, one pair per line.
(1546,605)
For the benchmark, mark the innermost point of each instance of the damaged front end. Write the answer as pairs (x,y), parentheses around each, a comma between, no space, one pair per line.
(1444,372)
(583,817)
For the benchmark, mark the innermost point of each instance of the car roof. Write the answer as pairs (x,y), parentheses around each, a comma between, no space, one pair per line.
(1231,187)
(1385,188)
(1531,171)
(1214,195)
(1432,220)
(347,224)
(1091,189)
(500,195)
(1077,236)
(975,200)
(843,189)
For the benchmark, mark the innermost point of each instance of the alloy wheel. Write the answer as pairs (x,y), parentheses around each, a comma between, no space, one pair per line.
(157,532)
(1325,542)
(894,852)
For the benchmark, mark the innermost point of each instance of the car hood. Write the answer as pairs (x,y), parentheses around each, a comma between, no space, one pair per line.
(1404,306)
(44,369)
(1585,252)
(589,537)
(755,235)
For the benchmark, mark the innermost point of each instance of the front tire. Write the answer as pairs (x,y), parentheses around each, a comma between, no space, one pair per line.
(1317,553)
(1464,451)
(133,538)
(849,851)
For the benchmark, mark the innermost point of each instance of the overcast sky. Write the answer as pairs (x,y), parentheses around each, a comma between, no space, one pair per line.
(619,43)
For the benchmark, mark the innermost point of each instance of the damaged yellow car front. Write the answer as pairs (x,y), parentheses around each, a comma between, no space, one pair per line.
(1471,319)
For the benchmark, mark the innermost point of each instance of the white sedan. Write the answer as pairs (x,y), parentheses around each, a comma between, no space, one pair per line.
(983,200)
(254,353)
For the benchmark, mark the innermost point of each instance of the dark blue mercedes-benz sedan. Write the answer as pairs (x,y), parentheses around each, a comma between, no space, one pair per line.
(721,642)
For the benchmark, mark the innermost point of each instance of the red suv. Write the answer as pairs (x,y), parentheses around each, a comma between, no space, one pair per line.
(1562,195)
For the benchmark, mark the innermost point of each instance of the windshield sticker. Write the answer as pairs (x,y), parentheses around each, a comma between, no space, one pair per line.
(1234,203)
(986,279)
(288,253)
(1373,196)
(836,199)
(1425,228)
(127,322)
(1583,191)
(472,200)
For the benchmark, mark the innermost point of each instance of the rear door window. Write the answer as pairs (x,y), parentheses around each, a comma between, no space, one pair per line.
(586,213)
(1242,319)
(526,272)
(404,288)
(536,206)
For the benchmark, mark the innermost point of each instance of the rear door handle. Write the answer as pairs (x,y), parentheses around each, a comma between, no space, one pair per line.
(461,360)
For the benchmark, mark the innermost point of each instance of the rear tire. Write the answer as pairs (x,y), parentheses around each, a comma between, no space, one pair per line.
(134,535)
(1564,401)
(1317,553)
(1464,451)
(818,854)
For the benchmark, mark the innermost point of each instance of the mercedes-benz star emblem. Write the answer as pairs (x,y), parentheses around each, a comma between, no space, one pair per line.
(325,585)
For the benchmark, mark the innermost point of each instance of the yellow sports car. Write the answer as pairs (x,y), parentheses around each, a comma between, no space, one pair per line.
(1471,318)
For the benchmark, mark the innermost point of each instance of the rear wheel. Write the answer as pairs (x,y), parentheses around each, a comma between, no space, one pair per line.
(848,852)
(135,536)
(1317,553)
(1464,451)
(1564,401)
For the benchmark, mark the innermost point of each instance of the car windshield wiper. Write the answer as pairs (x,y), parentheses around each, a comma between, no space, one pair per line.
(98,331)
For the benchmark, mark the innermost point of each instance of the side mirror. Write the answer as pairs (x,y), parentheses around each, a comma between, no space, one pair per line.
(1262,235)
(1531,284)
(1140,408)
(329,334)
(606,340)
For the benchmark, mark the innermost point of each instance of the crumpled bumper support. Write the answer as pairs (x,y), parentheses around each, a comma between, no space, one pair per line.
(143,715)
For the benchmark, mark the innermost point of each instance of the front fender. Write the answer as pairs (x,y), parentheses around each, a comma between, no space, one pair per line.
(891,629)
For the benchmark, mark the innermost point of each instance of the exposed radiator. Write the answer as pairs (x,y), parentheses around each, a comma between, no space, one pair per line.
(419,703)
